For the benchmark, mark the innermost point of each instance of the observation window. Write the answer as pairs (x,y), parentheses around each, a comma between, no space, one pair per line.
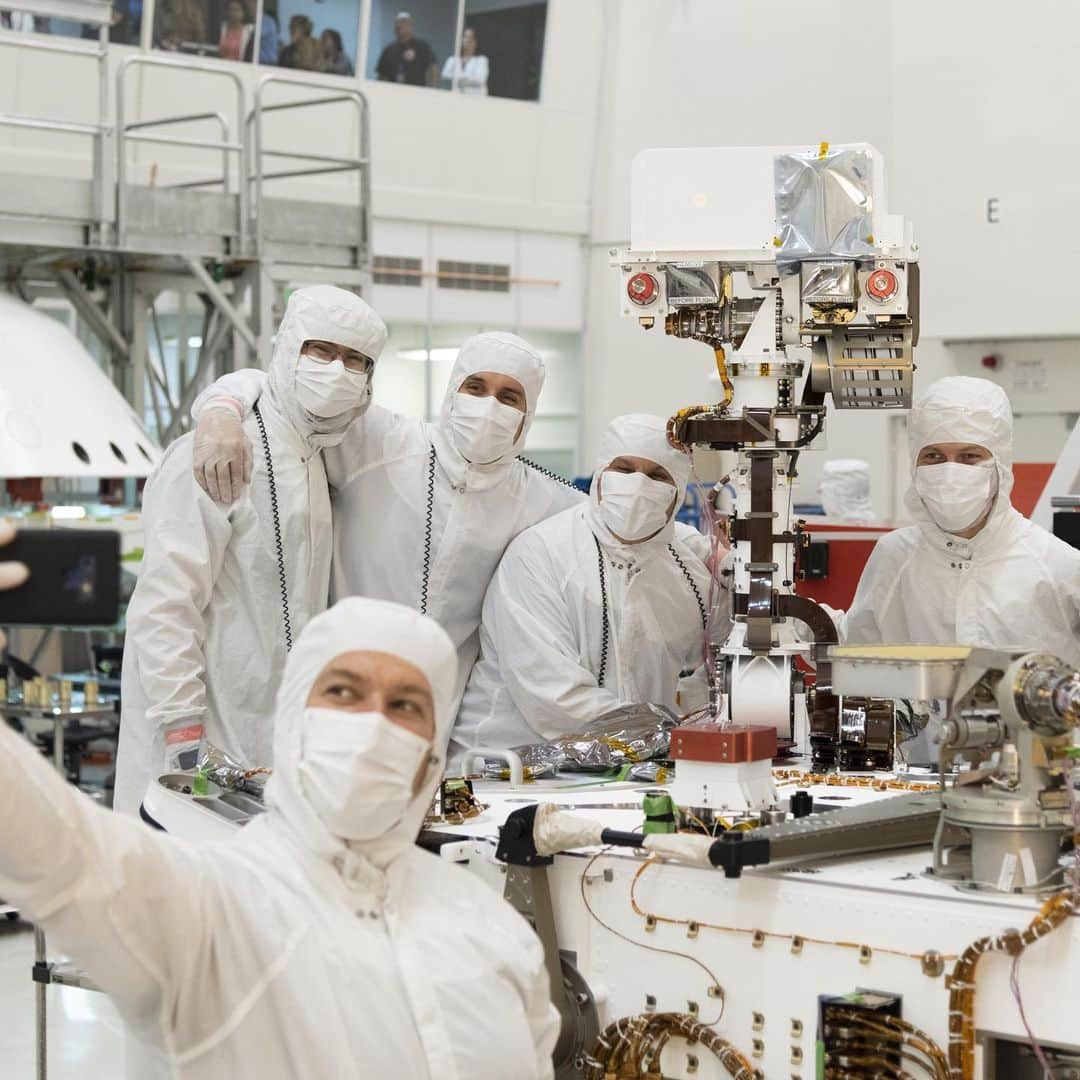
(476,47)
(303,34)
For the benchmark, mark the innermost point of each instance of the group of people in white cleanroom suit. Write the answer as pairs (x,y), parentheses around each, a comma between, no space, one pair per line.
(479,601)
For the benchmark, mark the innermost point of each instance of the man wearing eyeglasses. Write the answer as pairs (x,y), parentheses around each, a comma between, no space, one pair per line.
(224,590)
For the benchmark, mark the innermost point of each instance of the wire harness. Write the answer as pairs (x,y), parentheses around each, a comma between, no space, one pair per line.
(632,1046)
(961,982)
(862,1044)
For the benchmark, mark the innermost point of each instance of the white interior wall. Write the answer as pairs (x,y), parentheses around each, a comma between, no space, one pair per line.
(984,101)
(547,272)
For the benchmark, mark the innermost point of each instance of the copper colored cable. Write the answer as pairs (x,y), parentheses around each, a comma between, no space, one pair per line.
(714,984)
(725,379)
(888,1026)
(753,931)
(675,423)
(961,982)
(631,1047)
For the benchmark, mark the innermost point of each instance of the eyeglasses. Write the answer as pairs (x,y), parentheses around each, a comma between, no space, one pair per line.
(326,352)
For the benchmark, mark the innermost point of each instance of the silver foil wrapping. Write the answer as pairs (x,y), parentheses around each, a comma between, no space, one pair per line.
(824,205)
(629,735)
(220,769)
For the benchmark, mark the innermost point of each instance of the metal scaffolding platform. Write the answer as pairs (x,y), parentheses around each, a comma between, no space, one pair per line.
(111,246)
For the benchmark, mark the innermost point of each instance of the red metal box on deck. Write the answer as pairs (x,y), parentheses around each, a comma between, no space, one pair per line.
(705,741)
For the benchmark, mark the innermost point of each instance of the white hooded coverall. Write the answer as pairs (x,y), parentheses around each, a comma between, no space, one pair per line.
(845,491)
(205,642)
(285,952)
(1012,586)
(542,631)
(391,471)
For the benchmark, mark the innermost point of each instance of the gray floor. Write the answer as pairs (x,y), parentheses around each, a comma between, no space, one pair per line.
(85,1034)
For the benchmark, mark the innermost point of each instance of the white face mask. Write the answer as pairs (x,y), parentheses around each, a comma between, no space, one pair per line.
(483,428)
(328,390)
(634,506)
(956,495)
(358,769)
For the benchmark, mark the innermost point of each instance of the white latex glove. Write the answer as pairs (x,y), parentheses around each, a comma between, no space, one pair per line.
(222,452)
(12,574)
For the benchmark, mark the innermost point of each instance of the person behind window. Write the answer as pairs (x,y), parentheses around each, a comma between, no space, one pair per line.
(236,31)
(24,22)
(407,59)
(269,46)
(303,50)
(124,24)
(182,22)
(470,68)
(334,60)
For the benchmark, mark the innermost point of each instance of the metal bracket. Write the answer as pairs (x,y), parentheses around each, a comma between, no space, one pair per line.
(84,304)
(223,303)
(529,892)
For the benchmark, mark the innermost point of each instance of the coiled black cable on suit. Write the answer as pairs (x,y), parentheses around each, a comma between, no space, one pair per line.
(550,475)
(428,519)
(605,632)
(692,583)
(430,513)
(277,529)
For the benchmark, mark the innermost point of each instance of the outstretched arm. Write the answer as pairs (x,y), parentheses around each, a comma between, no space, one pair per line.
(123,901)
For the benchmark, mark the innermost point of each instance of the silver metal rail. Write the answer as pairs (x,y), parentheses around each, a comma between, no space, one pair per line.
(135,132)
(92,12)
(321,163)
(190,118)
(57,45)
(96,14)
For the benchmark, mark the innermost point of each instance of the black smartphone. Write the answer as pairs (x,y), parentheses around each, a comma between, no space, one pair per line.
(74,578)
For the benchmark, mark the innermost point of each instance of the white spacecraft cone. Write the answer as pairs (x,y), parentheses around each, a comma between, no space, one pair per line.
(60,416)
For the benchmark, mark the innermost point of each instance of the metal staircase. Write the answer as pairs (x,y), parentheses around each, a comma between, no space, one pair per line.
(111,245)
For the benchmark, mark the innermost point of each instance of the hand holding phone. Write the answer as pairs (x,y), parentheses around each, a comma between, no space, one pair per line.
(61,577)
(12,574)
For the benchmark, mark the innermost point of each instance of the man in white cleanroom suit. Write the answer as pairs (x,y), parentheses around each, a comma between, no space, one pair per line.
(972,570)
(423,512)
(845,491)
(222,590)
(600,606)
(319,941)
